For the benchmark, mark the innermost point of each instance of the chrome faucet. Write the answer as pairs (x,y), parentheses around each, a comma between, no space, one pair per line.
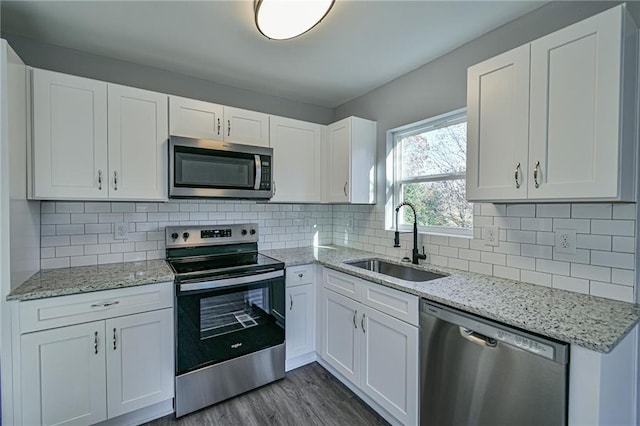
(396,240)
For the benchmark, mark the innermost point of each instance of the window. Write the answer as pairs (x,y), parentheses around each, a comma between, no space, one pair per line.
(429,171)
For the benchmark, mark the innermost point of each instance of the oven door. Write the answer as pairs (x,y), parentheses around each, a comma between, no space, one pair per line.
(223,319)
(202,168)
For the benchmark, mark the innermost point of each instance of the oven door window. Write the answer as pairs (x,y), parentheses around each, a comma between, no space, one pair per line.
(221,324)
(205,168)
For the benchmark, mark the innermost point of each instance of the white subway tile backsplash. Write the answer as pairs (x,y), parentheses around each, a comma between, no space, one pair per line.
(624,211)
(553,210)
(612,259)
(591,272)
(611,291)
(591,211)
(593,242)
(521,210)
(77,233)
(538,278)
(571,284)
(624,244)
(552,266)
(613,227)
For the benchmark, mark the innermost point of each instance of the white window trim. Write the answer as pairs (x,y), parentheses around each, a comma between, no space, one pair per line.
(393,185)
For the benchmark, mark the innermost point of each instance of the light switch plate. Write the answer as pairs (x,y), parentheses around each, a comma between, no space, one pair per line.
(491,236)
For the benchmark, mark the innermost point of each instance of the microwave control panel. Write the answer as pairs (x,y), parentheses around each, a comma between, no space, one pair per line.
(265,179)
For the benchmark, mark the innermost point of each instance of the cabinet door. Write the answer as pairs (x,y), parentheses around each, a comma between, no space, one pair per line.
(195,119)
(296,157)
(138,135)
(341,341)
(63,375)
(246,127)
(389,363)
(69,137)
(498,127)
(300,329)
(338,161)
(139,360)
(575,110)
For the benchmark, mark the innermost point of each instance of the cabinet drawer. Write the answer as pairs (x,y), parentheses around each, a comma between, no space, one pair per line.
(60,311)
(400,305)
(344,284)
(297,275)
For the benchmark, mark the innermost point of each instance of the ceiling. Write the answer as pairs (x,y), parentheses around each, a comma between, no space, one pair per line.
(359,46)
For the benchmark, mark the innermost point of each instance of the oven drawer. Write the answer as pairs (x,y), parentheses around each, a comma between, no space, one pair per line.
(60,311)
(298,275)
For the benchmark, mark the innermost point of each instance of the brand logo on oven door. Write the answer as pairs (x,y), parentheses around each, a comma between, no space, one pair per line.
(236,345)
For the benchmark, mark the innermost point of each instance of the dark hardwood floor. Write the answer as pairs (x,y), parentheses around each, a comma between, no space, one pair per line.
(308,395)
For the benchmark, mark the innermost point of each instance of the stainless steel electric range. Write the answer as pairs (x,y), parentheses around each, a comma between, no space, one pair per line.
(229,313)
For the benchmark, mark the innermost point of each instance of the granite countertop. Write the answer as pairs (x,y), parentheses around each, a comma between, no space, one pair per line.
(592,322)
(84,279)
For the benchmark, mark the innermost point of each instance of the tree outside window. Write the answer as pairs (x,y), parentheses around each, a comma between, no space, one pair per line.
(430,170)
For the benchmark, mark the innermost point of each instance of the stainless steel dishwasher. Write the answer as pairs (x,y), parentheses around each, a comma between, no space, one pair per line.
(477,372)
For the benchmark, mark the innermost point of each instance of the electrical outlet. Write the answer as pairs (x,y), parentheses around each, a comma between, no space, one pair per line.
(490,235)
(565,241)
(121,231)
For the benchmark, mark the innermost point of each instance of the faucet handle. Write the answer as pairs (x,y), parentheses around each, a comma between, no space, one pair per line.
(423,255)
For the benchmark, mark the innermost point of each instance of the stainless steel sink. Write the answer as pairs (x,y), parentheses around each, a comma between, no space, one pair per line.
(394,270)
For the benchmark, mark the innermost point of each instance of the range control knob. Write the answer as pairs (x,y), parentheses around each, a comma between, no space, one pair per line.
(244,232)
(174,235)
(252,232)
(185,235)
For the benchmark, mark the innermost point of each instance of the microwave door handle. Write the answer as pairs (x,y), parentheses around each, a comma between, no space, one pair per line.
(256,186)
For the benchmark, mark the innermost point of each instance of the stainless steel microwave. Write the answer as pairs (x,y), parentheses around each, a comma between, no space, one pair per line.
(215,169)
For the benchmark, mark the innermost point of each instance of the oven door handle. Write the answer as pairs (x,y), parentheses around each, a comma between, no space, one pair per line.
(248,279)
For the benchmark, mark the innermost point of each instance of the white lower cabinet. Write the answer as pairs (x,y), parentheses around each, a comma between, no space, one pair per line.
(63,376)
(300,316)
(373,350)
(86,373)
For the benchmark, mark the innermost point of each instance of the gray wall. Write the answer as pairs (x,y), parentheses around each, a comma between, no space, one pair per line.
(441,85)
(41,55)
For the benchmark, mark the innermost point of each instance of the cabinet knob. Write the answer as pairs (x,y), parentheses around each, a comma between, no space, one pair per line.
(517,175)
(300,275)
(536,170)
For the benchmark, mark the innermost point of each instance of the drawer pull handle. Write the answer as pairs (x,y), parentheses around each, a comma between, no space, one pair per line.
(100,180)
(345,189)
(354,319)
(115,346)
(115,180)
(95,343)
(218,126)
(362,324)
(105,304)
(291,305)
(517,175)
(228,127)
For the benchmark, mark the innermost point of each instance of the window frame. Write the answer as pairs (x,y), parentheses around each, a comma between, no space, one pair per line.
(395,184)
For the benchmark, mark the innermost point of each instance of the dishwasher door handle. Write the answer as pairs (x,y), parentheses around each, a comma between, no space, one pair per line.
(478,338)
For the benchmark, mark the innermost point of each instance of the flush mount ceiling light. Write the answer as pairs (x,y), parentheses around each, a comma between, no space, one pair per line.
(285,19)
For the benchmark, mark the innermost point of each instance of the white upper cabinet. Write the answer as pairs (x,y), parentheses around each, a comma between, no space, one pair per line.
(73,158)
(69,137)
(195,119)
(204,120)
(497,126)
(581,121)
(296,158)
(137,143)
(246,127)
(351,161)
